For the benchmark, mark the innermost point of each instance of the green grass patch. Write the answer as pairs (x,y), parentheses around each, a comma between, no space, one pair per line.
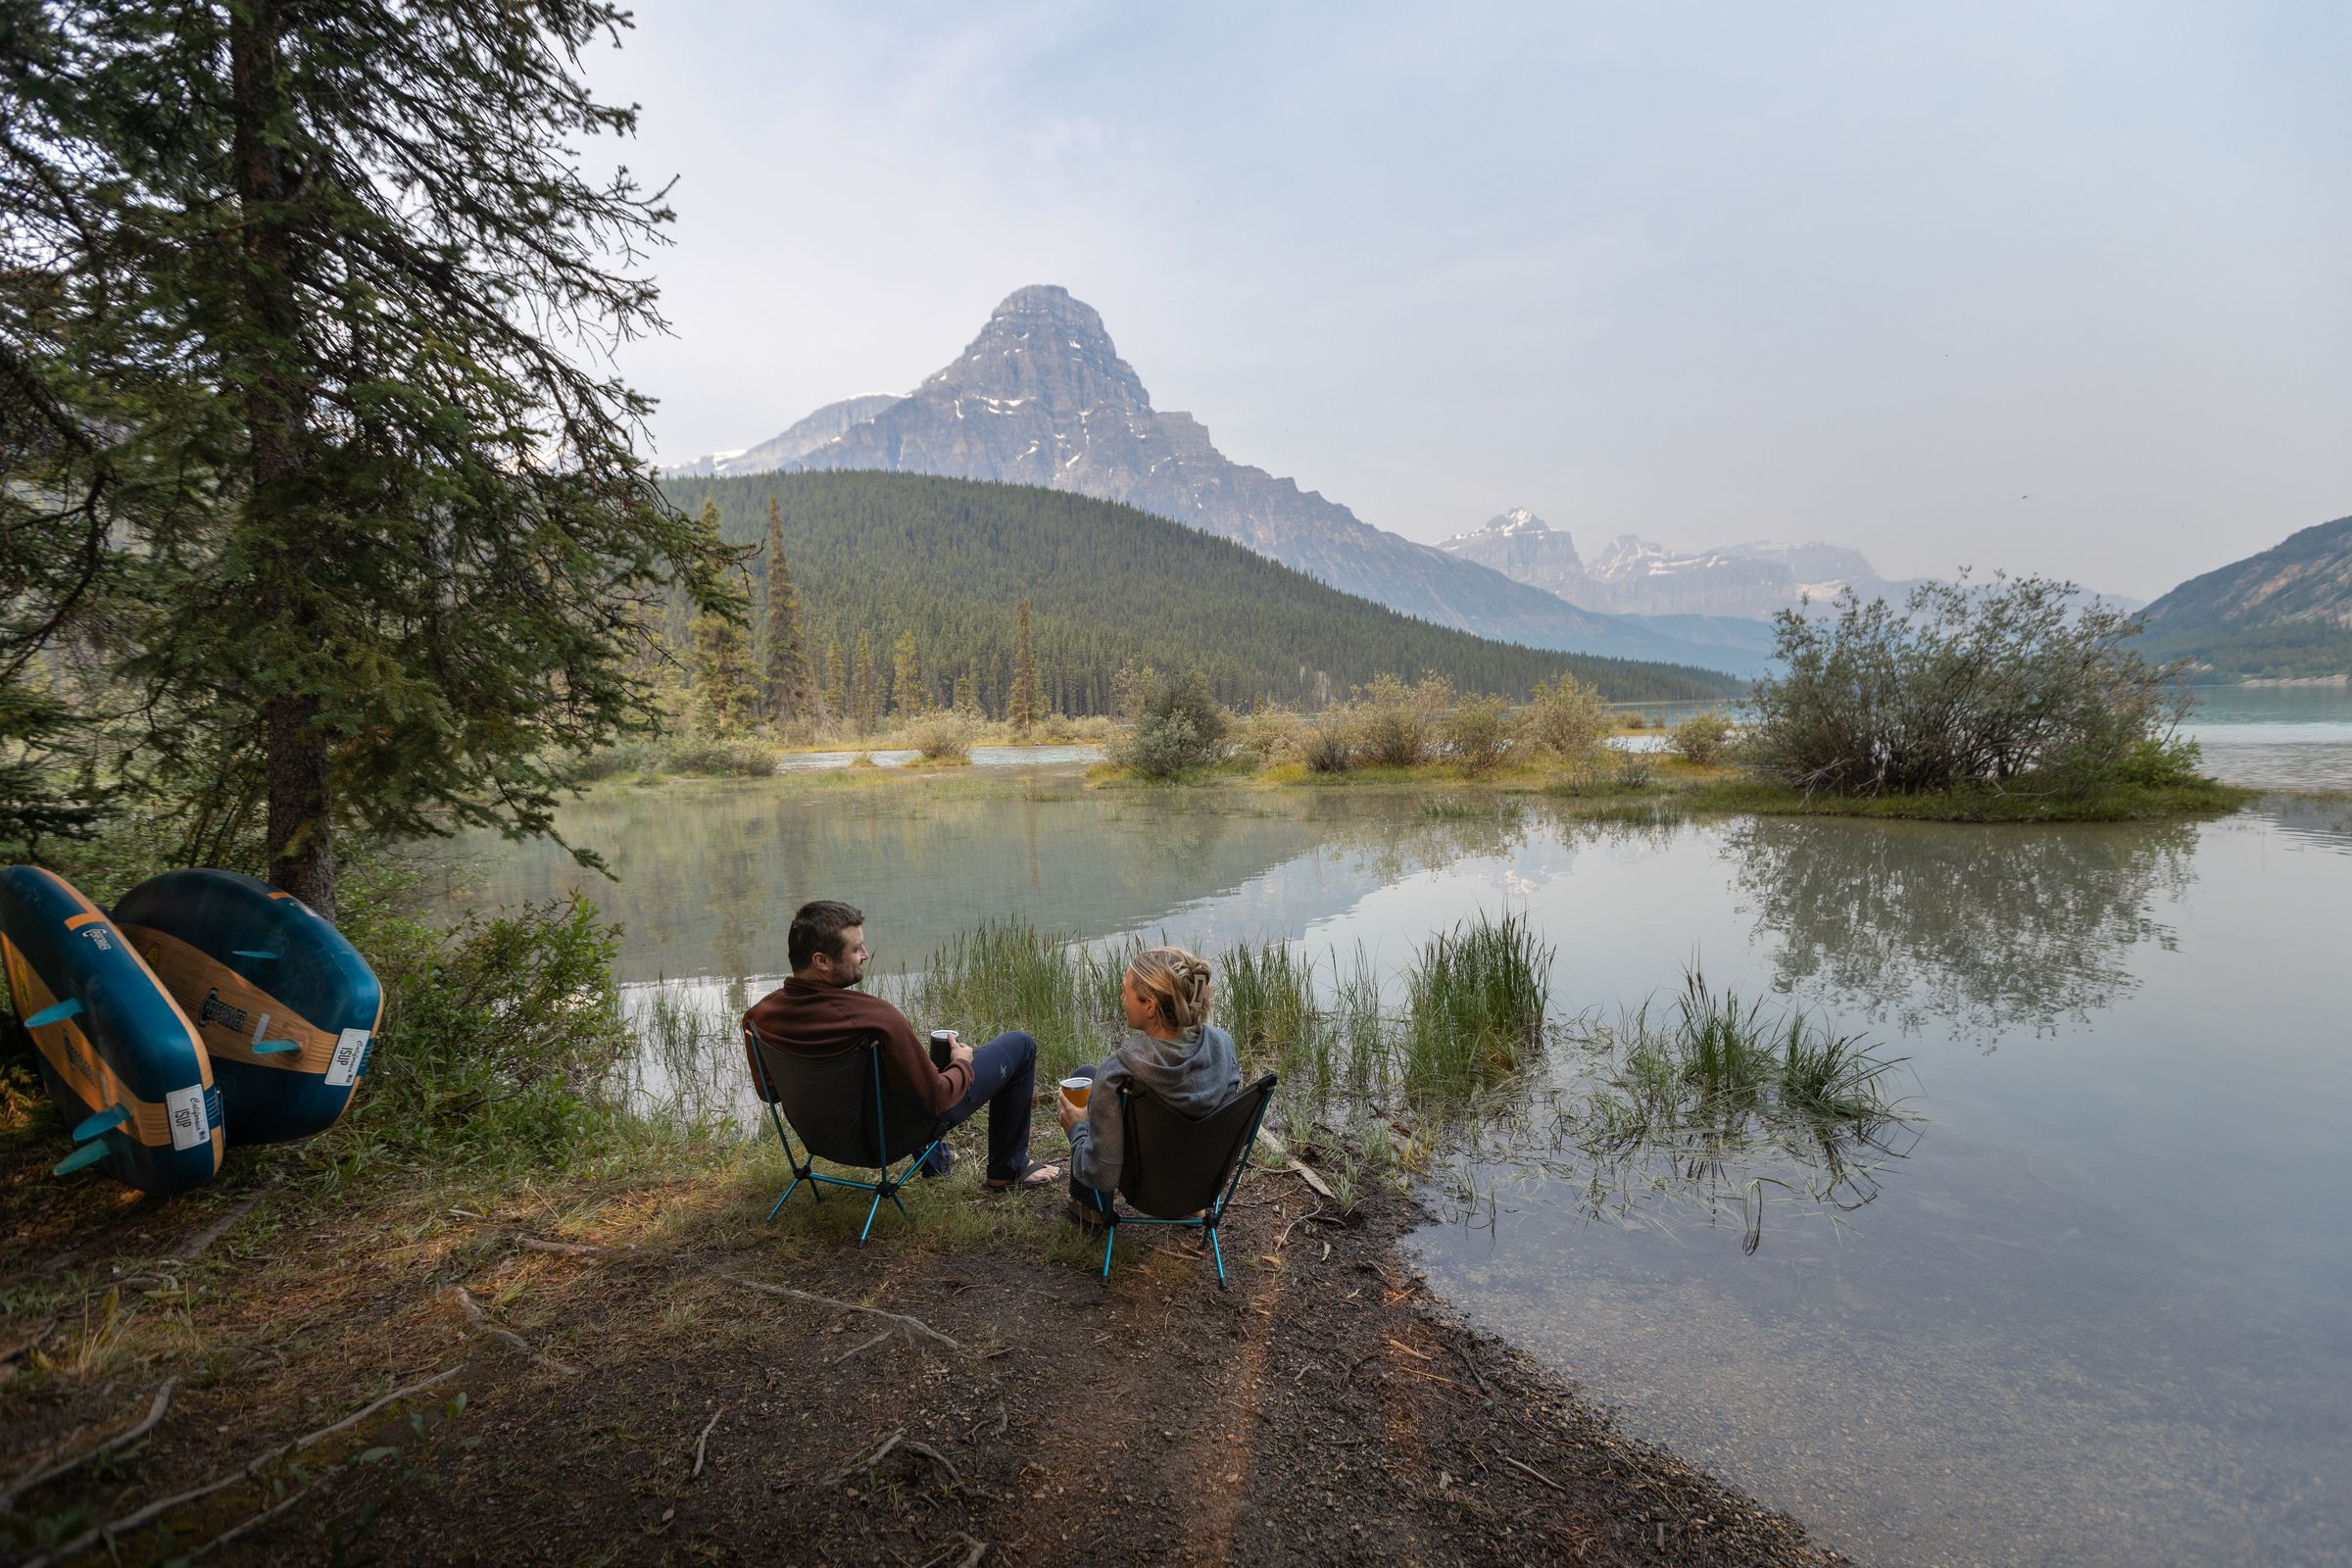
(1475,1000)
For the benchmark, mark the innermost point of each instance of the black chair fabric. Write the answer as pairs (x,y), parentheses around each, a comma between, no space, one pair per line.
(830,1100)
(1176,1165)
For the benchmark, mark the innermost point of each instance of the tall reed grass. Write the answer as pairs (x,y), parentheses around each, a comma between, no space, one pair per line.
(1475,1002)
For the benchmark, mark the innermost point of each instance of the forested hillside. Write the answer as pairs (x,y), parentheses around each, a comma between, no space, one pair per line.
(950,560)
(2284,614)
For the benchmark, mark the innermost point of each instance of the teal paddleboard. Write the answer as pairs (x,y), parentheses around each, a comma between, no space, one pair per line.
(122,1062)
(286,1008)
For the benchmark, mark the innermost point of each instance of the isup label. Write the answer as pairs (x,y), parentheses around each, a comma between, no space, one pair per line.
(285,1006)
(123,1063)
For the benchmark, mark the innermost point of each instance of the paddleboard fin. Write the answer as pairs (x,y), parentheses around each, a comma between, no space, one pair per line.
(99,1122)
(272,1047)
(86,1154)
(57,1014)
(251,953)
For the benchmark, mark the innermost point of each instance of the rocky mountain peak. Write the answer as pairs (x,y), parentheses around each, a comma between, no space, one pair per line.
(1043,342)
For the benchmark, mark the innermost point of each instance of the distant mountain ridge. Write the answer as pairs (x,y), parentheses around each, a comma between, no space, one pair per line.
(796,443)
(1041,397)
(2285,613)
(1632,575)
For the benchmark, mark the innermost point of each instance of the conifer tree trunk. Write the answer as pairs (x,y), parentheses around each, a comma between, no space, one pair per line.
(1021,705)
(300,832)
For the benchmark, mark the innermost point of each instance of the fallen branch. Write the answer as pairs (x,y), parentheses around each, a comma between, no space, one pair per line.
(194,1247)
(866,1461)
(700,1442)
(154,1510)
(863,1346)
(31,1479)
(1538,1474)
(1295,1224)
(938,1458)
(540,1244)
(482,1324)
(1314,1181)
(912,1325)
(257,1520)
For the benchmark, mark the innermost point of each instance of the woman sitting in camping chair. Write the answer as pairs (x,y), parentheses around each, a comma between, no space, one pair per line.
(1170,1050)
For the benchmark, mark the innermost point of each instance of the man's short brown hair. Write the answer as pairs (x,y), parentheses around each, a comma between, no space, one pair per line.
(816,927)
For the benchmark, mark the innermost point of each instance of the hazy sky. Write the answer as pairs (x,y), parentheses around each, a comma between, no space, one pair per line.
(2059,288)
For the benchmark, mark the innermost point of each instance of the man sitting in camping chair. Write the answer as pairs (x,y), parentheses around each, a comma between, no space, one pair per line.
(817,1013)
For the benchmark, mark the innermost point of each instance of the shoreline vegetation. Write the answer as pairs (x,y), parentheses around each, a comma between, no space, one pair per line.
(1605,778)
(1998,703)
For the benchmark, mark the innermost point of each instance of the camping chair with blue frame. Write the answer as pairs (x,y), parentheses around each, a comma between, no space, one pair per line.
(838,1105)
(1179,1170)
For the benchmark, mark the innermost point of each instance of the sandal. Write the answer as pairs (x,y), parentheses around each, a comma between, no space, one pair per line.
(1034,1176)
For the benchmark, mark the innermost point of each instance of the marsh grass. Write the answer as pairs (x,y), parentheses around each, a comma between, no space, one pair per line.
(1716,1059)
(1475,1000)
(1267,1000)
(1011,975)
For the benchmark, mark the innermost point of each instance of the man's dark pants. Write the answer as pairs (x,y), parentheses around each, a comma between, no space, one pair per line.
(1003,1079)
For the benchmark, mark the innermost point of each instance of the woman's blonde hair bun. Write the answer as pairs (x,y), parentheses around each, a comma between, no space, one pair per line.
(1177,980)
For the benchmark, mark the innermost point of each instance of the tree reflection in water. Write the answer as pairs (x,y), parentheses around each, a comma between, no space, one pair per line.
(1983,930)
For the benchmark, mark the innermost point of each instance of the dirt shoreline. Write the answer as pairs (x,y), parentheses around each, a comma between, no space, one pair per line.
(614,1387)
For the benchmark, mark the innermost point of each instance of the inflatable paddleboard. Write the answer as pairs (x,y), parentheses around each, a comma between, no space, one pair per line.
(122,1062)
(286,1006)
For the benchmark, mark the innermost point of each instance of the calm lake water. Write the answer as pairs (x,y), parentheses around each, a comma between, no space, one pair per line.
(2090,1307)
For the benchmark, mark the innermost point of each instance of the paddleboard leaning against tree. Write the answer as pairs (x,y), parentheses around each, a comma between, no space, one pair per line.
(286,1008)
(127,1070)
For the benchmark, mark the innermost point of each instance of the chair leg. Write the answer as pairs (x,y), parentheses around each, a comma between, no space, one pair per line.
(1219,1253)
(870,1217)
(797,1176)
(1110,1239)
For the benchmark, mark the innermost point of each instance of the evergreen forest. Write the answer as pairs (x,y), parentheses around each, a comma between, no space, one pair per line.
(929,574)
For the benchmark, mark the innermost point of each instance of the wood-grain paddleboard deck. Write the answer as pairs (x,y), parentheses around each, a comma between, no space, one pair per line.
(122,1062)
(285,1004)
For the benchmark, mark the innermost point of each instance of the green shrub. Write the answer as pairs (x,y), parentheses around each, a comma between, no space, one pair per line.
(2157,764)
(1963,686)
(1271,734)
(943,736)
(497,1034)
(1565,717)
(1702,738)
(1178,725)
(1396,726)
(736,757)
(1478,732)
(1331,748)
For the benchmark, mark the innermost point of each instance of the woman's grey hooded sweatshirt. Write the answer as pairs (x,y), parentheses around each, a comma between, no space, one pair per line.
(1194,1074)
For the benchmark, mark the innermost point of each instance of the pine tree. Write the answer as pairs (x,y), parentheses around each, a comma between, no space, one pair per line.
(325,269)
(864,699)
(726,686)
(907,693)
(837,684)
(1021,705)
(789,697)
(967,691)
